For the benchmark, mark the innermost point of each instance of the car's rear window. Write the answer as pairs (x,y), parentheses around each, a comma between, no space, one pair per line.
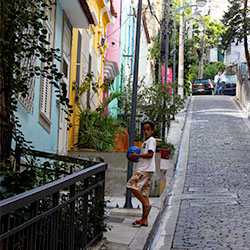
(202,80)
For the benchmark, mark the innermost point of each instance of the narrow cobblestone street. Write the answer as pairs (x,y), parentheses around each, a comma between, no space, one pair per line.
(215,203)
(214,211)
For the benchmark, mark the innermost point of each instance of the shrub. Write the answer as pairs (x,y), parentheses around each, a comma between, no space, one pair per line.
(97,131)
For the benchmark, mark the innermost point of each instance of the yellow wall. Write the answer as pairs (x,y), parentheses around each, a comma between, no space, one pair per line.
(97,5)
(73,131)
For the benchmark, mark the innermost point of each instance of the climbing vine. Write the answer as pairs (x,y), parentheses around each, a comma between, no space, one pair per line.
(25,54)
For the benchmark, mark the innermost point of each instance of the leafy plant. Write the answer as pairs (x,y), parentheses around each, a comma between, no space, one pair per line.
(34,172)
(150,103)
(210,69)
(97,131)
(237,23)
(24,50)
(166,145)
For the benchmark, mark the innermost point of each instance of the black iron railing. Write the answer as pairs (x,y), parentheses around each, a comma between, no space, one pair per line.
(67,213)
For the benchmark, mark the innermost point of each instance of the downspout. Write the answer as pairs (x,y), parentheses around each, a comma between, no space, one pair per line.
(129,27)
(133,43)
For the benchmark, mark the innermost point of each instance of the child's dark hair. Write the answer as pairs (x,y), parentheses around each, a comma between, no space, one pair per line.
(150,123)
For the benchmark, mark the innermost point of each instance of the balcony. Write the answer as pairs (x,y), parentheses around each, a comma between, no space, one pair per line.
(78,13)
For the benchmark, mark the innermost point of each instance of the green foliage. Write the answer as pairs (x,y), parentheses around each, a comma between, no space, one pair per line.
(156,48)
(150,103)
(90,84)
(166,145)
(190,63)
(14,182)
(97,131)
(214,32)
(233,20)
(34,172)
(237,23)
(127,95)
(23,48)
(97,217)
(211,69)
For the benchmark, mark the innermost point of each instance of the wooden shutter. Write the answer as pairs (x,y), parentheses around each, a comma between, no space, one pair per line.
(45,86)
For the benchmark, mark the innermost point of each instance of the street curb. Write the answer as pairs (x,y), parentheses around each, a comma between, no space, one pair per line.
(244,110)
(144,236)
(173,207)
(163,200)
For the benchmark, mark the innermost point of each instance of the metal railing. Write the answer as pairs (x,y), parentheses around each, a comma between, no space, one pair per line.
(67,213)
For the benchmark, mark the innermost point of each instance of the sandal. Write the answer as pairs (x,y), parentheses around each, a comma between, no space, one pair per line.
(139,223)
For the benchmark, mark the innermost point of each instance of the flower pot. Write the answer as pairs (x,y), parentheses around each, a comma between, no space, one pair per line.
(138,144)
(165,153)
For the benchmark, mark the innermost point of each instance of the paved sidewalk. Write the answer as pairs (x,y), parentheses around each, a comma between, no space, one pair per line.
(122,235)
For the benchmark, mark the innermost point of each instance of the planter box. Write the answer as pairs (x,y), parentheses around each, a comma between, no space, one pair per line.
(165,153)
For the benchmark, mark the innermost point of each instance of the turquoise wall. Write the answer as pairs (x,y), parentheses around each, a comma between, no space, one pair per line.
(31,128)
(118,85)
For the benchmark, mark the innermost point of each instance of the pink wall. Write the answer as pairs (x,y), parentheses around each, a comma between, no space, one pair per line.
(114,35)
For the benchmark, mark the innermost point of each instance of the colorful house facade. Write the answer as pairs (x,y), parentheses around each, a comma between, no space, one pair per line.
(88,56)
(40,113)
(112,57)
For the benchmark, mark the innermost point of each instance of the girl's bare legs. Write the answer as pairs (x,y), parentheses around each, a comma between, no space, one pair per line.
(145,203)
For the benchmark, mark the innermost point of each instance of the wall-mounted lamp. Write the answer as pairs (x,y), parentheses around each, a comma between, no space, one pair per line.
(196,14)
(201,3)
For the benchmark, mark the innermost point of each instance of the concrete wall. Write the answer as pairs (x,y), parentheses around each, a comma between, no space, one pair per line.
(243,87)
(236,54)
(116,174)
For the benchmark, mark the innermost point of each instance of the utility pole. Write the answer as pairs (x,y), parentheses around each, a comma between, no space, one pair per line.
(174,62)
(128,203)
(190,32)
(166,63)
(201,63)
(181,54)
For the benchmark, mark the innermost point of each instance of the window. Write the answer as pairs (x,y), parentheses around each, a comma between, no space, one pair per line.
(28,100)
(45,86)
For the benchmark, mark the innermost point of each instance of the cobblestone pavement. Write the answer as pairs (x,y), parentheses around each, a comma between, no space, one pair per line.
(215,205)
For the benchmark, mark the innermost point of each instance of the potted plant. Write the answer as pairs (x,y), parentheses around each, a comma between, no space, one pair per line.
(97,131)
(165,149)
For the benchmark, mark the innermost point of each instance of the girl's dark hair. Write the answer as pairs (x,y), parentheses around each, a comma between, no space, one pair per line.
(150,123)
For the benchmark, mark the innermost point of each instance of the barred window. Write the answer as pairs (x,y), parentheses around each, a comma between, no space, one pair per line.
(28,100)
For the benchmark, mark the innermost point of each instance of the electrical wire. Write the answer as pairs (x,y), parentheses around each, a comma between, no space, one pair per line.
(118,28)
(153,14)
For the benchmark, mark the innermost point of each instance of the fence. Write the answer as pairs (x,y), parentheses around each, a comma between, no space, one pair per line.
(67,213)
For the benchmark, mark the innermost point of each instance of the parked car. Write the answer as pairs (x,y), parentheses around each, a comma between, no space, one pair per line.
(203,86)
(228,88)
